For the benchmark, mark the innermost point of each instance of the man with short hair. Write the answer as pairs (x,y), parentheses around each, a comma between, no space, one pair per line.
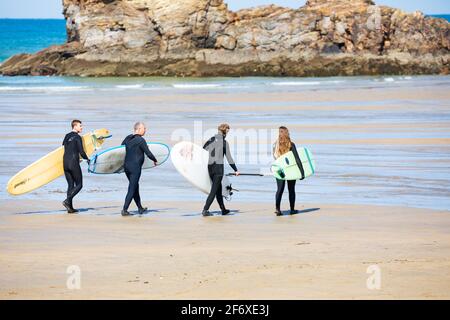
(136,147)
(73,148)
(218,147)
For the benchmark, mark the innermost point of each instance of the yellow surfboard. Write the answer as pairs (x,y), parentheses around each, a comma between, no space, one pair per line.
(50,167)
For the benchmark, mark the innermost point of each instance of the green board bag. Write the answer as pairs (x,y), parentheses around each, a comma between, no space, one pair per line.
(286,167)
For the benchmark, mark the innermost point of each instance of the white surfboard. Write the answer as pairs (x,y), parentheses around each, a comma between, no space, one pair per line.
(191,161)
(112,160)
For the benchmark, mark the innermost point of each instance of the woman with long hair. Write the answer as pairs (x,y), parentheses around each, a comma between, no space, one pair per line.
(281,146)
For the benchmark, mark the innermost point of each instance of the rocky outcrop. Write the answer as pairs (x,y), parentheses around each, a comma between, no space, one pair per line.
(204,38)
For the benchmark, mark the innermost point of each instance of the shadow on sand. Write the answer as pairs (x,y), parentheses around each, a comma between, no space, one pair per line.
(135,213)
(287,212)
(215,213)
(150,211)
(82,210)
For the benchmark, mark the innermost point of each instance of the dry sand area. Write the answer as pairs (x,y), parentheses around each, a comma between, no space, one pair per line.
(174,253)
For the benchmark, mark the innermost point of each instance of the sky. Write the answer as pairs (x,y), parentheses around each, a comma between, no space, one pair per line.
(53,8)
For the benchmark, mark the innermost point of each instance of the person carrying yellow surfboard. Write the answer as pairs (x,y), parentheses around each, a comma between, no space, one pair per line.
(73,148)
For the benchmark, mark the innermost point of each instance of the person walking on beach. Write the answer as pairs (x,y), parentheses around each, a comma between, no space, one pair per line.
(136,147)
(281,146)
(218,148)
(73,148)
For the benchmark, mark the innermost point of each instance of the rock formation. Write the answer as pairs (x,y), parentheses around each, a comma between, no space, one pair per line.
(204,38)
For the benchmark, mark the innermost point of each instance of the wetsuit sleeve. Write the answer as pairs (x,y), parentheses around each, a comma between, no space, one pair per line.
(147,151)
(206,145)
(64,141)
(229,157)
(80,149)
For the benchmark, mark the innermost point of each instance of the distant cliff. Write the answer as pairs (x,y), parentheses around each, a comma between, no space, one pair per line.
(204,38)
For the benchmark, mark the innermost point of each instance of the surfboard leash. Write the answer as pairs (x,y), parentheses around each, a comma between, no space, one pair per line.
(246,174)
(230,190)
(95,140)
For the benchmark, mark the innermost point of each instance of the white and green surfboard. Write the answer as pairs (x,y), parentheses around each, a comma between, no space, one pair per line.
(112,160)
(287,168)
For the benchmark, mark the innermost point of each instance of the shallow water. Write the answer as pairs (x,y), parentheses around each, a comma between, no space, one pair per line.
(374,143)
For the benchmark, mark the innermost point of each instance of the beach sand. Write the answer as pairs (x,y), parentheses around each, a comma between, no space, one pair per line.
(173,252)
(380,197)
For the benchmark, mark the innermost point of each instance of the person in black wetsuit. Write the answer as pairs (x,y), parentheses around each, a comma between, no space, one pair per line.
(136,147)
(280,147)
(73,148)
(218,147)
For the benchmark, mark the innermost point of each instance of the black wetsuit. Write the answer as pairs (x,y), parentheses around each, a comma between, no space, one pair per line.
(217,147)
(291,186)
(135,146)
(73,148)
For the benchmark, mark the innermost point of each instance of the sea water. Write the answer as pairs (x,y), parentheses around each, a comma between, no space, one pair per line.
(29,35)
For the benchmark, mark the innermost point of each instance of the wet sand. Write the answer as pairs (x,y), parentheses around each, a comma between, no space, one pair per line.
(173,253)
(389,141)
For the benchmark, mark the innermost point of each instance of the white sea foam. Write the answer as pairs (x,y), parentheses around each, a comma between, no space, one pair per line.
(130,86)
(196,86)
(124,88)
(236,86)
(336,81)
(297,83)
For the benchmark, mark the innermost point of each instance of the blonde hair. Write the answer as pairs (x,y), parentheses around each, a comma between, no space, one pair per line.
(284,142)
(223,128)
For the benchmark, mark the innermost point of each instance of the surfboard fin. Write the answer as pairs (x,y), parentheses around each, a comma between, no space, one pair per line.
(230,191)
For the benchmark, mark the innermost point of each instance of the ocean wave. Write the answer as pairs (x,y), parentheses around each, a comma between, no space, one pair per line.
(130,86)
(336,81)
(297,83)
(196,86)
